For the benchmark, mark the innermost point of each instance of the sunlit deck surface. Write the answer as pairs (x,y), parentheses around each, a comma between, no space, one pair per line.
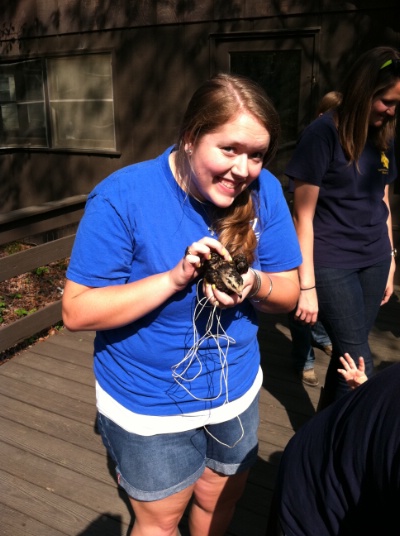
(55,478)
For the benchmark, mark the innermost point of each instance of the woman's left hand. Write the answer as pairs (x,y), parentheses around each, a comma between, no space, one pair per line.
(389,285)
(221,299)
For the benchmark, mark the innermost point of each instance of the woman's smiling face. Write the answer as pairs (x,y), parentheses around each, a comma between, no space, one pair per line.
(226,161)
(384,106)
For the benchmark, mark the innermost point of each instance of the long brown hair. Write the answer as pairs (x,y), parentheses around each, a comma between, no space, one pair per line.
(365,80)
(215,103)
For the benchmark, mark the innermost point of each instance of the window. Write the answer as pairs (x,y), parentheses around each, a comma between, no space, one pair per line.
(61,102)
(22,120)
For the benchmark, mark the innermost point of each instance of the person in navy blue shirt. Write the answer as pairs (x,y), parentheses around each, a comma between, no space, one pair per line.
(340,473)
(342,167)
(176,357)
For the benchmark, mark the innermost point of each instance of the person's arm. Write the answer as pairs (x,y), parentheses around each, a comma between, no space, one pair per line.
(101,308)
(353,375)
(390,282)
(268,292)
(304,203)
(278,292)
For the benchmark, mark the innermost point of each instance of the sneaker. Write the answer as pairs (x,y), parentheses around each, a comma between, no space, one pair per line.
(327,350)
(309,377)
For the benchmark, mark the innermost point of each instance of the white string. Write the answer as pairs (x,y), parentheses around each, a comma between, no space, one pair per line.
(191,356)
(226,444)
(198,341)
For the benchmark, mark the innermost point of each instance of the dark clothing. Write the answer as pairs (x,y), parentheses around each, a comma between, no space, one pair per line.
(349,302)
(303,336)
(350,228)
(340,473)
(351,240)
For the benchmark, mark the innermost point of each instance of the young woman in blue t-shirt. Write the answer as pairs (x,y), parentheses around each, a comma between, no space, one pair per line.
(176,358)
(342,168)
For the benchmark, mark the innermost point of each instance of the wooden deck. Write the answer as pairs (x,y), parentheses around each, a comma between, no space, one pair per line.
(55,478)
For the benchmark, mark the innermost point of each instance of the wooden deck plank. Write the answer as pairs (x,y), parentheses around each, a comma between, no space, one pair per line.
(36,378)
(55,477)
(91,463)
(81,350)
(70,371)
(52,510)
(49,423)
(65,482)
(62,405)
(14,522)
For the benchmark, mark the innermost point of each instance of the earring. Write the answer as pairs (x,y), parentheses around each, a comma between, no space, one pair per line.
(189,152)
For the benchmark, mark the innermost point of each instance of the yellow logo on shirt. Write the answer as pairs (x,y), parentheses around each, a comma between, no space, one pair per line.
(384,160)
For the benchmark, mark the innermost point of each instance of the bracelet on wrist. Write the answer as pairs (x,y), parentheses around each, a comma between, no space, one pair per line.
(255,290)
(309,288)
(264,298)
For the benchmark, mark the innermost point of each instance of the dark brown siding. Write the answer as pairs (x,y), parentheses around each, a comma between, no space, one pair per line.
(161,52)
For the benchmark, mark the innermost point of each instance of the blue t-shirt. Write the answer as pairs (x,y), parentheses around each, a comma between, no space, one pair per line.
(350,229)
(138,222)
(340,473)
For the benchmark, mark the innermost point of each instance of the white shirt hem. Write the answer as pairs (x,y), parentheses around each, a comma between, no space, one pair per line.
(147,425)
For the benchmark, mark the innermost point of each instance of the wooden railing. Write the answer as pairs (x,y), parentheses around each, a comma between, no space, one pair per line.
(49,221)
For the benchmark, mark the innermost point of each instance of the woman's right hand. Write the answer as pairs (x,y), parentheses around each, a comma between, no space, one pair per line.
(307,307)
(193,259)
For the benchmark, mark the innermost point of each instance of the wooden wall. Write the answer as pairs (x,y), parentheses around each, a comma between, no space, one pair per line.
(162,50)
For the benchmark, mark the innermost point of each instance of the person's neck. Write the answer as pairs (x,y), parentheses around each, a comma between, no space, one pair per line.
(183,183)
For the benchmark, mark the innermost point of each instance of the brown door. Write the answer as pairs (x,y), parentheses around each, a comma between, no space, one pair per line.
(283,62)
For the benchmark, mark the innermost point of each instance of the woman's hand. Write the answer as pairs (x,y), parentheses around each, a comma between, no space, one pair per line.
(221,299)
(192,266)
(390,283)
(192,263)
(307,307)
(196,256)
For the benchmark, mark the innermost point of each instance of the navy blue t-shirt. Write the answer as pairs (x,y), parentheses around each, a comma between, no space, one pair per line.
(340,473)
(350,229)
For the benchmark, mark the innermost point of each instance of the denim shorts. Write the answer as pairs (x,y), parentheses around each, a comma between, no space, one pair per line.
(150,468)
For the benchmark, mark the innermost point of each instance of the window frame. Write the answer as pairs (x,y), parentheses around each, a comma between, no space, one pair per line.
(50,125)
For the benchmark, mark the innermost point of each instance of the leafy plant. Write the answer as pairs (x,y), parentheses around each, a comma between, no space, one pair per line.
(23,312)
(13,247)
(3,306)
(41,270)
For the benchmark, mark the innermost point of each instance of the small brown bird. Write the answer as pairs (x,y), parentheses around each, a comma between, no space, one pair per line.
(226,275)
